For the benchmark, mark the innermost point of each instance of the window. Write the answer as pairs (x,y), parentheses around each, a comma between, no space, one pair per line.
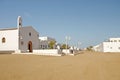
(115,40)
(40,46)
(20,24)
(45,46)
(30,34)
(37,35)
(3,40)
(110,47)
(119,40)
(118,47)
(22,42)
(111,41)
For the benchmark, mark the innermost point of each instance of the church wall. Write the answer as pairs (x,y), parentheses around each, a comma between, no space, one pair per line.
(11,40)
(28,34)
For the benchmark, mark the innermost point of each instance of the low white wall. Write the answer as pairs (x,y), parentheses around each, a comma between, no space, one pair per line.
(67,51)
(48,52)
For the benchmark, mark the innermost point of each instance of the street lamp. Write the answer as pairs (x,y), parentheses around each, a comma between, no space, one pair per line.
(79,43)
(67,38)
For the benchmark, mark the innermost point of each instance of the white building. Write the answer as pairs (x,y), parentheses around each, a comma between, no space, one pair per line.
(112,45)
(19,39)
(44,42)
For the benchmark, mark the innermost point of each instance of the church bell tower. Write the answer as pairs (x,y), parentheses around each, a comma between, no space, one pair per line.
(19,22)
(19,26)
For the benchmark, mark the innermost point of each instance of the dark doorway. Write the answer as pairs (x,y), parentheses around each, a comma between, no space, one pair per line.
(30,46)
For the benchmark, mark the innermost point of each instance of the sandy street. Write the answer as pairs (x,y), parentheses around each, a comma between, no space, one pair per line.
(85,66)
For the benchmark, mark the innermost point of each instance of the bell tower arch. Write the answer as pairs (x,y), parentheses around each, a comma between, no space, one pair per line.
(19,22)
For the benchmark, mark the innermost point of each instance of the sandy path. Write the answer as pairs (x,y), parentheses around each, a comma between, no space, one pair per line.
(87,66)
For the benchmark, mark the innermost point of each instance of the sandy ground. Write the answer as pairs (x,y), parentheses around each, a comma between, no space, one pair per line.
(85,66)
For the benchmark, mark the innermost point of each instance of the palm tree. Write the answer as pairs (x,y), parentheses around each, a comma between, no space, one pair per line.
(64,46)
(52,44)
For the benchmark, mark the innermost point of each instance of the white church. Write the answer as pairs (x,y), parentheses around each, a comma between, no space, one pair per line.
(19,39)
(26,40)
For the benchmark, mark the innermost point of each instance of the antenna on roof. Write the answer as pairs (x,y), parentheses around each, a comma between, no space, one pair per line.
(19,22)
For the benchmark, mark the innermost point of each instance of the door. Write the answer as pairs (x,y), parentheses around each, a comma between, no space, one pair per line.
(30,46)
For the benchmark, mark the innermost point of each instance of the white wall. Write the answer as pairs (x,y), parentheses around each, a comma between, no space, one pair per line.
(25,37)
(11,43)
(54,52)
(108,47)
(111,46)
(98,48)
(114,40)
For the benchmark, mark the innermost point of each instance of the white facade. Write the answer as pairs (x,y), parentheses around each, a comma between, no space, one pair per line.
(44,42)
(20,39)
(11,39)
(112,45)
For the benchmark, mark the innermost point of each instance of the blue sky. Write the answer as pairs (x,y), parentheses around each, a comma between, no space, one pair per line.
(87,21)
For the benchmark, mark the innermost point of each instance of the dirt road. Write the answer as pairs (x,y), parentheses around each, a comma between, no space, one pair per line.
(85,66)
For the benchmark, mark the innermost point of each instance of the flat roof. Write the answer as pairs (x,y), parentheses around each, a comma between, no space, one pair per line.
(8,29)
